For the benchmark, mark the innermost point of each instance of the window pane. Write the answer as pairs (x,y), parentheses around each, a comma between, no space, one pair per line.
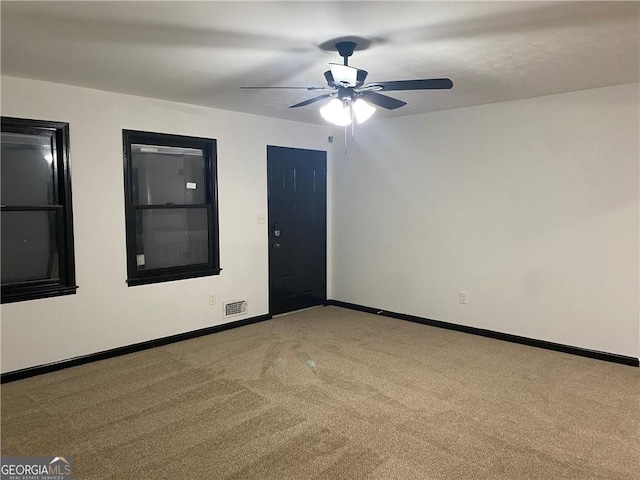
(27,170)
(167,175)
(171,237)
(29,250)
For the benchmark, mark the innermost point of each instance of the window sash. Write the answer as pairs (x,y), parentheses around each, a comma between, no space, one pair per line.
(50,244)
(171,244)
(168,176)
(27,180)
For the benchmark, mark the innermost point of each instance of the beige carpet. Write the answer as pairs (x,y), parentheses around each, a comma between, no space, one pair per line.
(330,393)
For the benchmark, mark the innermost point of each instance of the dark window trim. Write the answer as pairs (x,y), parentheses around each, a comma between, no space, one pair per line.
(209,148)
(66,284)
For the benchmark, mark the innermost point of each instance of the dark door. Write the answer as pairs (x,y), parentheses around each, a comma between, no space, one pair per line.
(297,228)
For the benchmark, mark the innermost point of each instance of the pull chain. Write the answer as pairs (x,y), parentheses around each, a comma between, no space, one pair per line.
(345,139)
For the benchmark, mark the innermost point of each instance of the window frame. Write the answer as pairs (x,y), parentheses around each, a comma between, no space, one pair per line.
(66,283)
(166,274)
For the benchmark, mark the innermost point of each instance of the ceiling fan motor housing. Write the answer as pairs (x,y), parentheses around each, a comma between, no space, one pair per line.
(345,93)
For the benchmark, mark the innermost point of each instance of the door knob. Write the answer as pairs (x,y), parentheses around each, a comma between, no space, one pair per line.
(276,245)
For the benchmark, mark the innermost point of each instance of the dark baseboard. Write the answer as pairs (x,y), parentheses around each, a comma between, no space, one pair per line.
(115,352)
(532,342)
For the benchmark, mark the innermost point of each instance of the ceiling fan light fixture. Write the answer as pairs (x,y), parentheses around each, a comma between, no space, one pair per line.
(362,110)
(336,112)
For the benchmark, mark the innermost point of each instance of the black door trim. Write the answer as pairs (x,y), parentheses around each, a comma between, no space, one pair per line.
(324,228)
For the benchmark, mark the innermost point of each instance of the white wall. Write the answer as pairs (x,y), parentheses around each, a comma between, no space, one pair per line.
(531,206)
(105,313)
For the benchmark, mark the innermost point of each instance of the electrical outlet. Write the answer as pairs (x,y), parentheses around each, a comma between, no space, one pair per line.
(462,296)
(261,218)
(212,298)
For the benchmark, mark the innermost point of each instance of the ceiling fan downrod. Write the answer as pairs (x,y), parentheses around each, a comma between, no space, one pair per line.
(346,49)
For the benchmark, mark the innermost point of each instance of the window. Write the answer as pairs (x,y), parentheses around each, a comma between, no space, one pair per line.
(37,226)
(171,207)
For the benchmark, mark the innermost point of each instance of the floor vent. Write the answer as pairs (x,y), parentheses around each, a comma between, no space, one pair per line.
(232,309)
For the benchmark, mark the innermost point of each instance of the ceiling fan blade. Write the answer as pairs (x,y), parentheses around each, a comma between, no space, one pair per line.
(286,88)
(311,100)
(382,100)
(330,81)
(424,84)
(361,77)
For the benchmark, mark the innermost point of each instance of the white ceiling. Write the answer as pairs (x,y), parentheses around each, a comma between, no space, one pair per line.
(202,52)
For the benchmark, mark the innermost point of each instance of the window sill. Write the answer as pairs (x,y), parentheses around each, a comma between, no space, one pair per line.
(37,294)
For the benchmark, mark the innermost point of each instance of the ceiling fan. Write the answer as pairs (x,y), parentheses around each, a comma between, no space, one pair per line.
(351,97)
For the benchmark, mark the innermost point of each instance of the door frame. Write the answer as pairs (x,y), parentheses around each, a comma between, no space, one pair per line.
(270,229)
